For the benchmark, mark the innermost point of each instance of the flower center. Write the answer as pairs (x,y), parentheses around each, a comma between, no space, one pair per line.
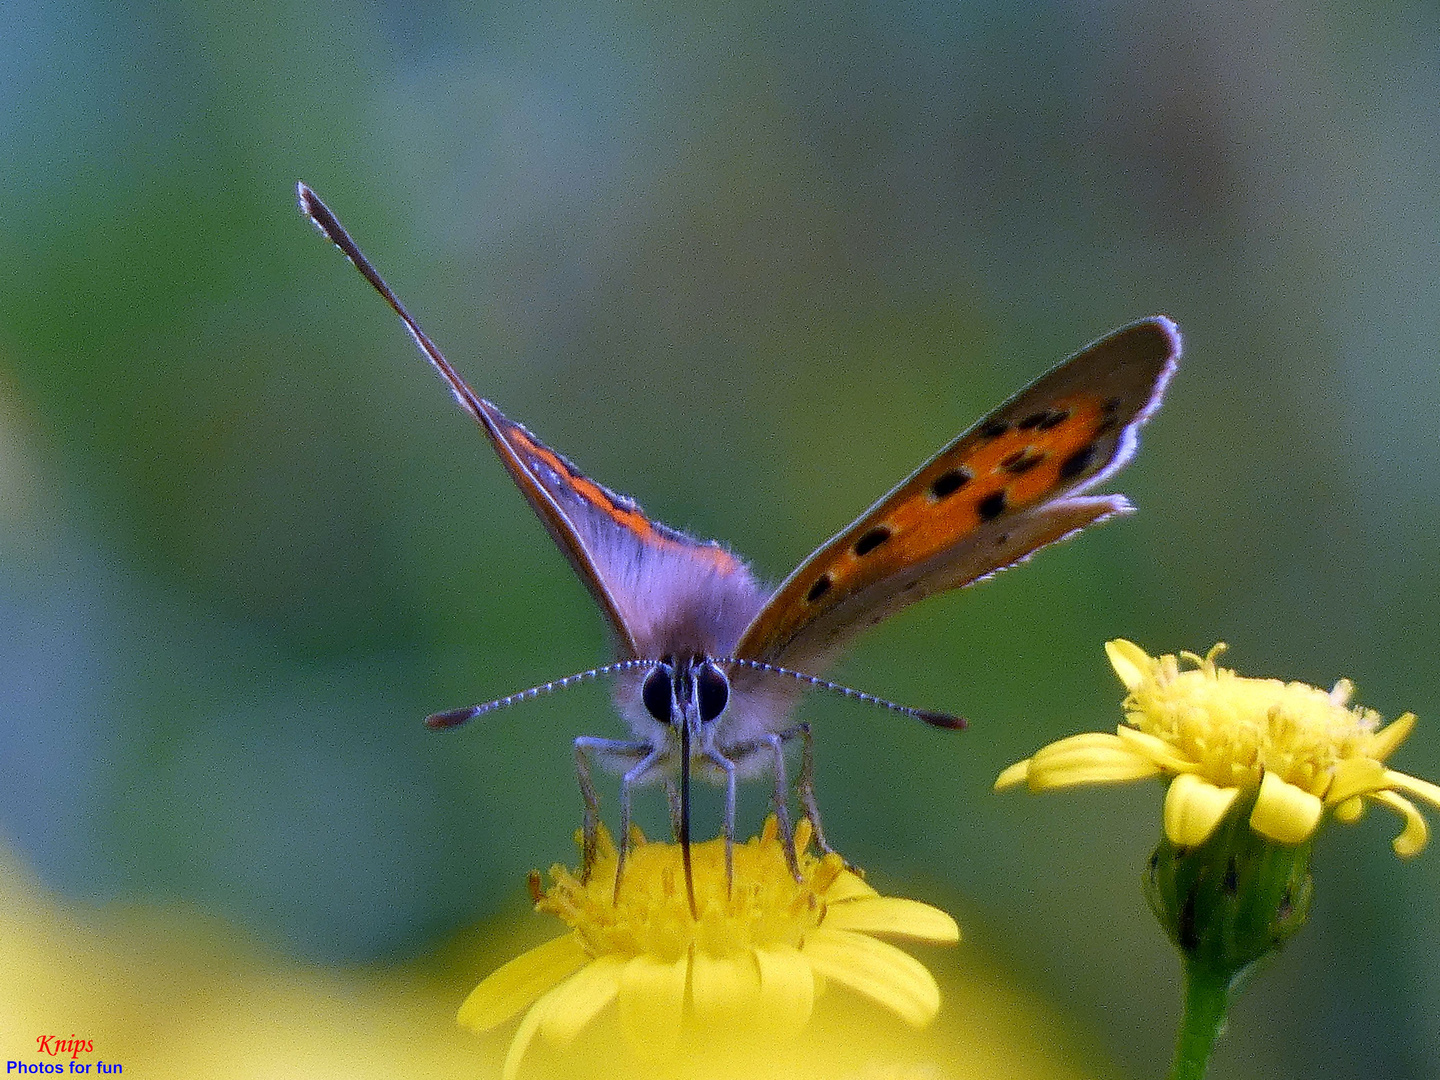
(1234,727)
(765,905)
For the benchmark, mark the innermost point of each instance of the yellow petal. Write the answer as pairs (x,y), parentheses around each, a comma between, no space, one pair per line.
(521,1042)
(1349,811)
(574,1003)
(1392,735)
(1416,834)
(509,989)
(848,885)
(1413,785)
(1284,812)
(1159,752)
(1355,776)
(893,915)
(1015,774)
(878,970)
(787,987)
(724,990)
(652,1000)
(1193,807)
(1130,662)
(1091,758)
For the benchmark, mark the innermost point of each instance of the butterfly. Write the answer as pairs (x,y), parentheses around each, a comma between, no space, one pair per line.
(711,661)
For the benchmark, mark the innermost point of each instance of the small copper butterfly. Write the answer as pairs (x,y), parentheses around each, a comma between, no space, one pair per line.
(711,661)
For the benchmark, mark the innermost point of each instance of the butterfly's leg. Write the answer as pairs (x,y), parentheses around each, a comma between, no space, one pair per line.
(591,823)
(806,785)
(719,759)
(780,800)
(628,780)
(780,797)
(613,750)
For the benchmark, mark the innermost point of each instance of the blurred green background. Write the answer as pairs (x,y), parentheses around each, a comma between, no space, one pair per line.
(751,264)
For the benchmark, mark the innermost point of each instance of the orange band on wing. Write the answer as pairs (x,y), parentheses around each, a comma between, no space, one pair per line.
(625,513)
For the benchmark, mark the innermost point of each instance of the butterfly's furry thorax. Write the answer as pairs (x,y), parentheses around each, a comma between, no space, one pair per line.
(683,606)
(693,611)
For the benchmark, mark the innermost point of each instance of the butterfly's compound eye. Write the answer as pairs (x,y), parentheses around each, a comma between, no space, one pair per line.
(656,694)
(713,690)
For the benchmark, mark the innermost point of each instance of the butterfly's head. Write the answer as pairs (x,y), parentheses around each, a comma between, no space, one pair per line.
(692,691)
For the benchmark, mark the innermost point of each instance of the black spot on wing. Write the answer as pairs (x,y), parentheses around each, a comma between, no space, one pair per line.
(1044,420)
(1075,465)
(991,506)
(871,540)
(947,483)
(819,589)
(1022,461)
(994,429)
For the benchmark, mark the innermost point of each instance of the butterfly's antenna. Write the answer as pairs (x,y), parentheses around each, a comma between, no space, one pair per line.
(322,218)
(456,717)
(934,719)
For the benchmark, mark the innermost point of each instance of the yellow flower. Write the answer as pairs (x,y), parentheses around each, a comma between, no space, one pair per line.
(749,967)
(1301,749)
(172,994)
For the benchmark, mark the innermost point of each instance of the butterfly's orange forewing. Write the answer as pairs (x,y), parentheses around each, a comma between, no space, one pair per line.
(1009,485)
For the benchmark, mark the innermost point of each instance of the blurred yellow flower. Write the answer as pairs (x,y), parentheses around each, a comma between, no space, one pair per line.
(1301,749)
(746,970)
(173,995)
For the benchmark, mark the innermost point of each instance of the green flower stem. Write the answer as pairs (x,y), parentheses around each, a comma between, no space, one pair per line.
(1228,904)
(1207,999)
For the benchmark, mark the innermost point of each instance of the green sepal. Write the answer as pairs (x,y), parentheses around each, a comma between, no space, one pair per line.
(1233,899)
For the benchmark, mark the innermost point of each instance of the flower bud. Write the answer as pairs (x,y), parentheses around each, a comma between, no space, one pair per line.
(1234,898)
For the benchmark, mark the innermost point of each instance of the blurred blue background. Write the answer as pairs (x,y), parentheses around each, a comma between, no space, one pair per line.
(751,264)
